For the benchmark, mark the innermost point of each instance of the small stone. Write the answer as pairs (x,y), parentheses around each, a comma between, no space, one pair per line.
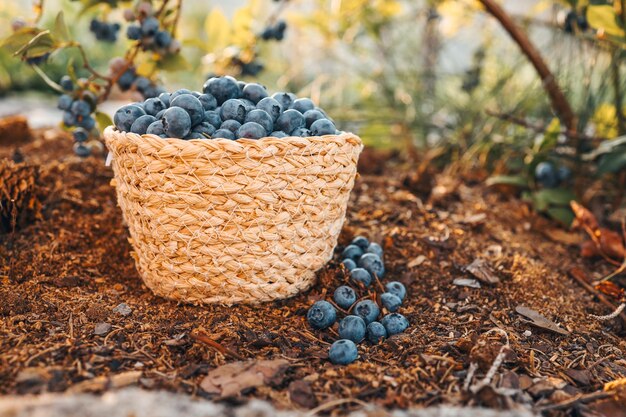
(123,309)
(102,329)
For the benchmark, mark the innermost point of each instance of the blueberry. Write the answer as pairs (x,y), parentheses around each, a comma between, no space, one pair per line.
(224,133)
(86,122)
(241,85)
(179,93)
(311,116)
(159,115)
(271,107)
(361,242)
(268,33)
(165,98)
(80,108)
(278,134)
(153,106)
(213,117)
(368,310)
(352,328)
(142,84)
(191,105)
(303,105)
(301,132)
(375,248)
(249,105)
(133,32)
(156,128)
(546,175)
(344,296)
(80,135)
(564,173)
(251,130)
(125,81)
(289,121)
(233,109)
(65,102)
(232,125)
(361,275)
(395,323)
(321,315)
(222,88)
(126,115)
(208,101)
(285,99)
(254,92)
(396,288)
(149,26)
(372,263)
(261,117)
(349,264)
(140,125)
(162,39)
(390,301)
(323,127)
(66,83)
(69,119)
(279,30)
(352,251)
(205,128)
(343,352)
(375,332)
(82,150)
(194,135)
(176,122)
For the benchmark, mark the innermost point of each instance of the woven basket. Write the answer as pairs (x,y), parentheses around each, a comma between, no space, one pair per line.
(223,221)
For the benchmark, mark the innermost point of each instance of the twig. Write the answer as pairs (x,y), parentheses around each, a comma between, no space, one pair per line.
(559,102)
(614,314)
(573,272)
(204,338)
(581,398)
(334,403)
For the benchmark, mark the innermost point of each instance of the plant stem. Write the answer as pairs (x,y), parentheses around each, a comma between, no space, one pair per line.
(47,79)
(618,98)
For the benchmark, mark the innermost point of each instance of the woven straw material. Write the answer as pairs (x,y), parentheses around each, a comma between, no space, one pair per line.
(223,221)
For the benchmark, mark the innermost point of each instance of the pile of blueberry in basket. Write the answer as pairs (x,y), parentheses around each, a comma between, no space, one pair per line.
(364,260)
(226,108)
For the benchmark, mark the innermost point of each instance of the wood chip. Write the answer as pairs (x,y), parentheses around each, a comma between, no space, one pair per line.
(482,271)
(540,321)
(466,282)
(231,379)
(416,262)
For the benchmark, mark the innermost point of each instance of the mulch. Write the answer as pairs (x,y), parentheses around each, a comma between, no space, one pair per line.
(76,317)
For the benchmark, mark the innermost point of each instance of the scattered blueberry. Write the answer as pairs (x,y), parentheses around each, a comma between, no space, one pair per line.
(361,242)
(396,288)
(349,264)
(352,251)
(343,352)
(352,328)
(344,296)
(395,323)
(375,332)
(390,301)
(361,275)
(375,249)
(373,264)
(368,310)
(321,315)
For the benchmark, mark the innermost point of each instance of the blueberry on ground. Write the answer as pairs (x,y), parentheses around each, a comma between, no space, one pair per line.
(373,264)
(224,134)
(213,117)
(285,99)
(261,117)
(222,88)
(303,105)
(396,288)
(344,296)
(278,134)
(156,128)
(251,130)
(361,242)
(191,105)
(140,125)
(153,106)
(254,92)
(232,125)
(311,116)
(323,127)
(361,275)
(233,109)
(176,122)
(126,115)
(271,106)
(368,310)
(321,315)
(349,264)
(546,175)
(208,101)
(352,251)
(352,328)
(390,301)
(395,323)
(343,352)
(289,121)
(375,332)
(80,135)
(375,248)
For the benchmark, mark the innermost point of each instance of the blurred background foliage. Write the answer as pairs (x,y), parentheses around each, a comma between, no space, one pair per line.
(439,79)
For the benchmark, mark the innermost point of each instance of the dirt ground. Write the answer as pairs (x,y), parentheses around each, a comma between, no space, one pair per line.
(63,278)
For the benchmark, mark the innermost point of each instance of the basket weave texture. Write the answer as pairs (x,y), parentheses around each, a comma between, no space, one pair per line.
(222,221)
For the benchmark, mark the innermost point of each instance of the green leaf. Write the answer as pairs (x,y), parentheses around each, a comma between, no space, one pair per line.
(563,215)
(70,69)
(103,120)
(548,197)
(550,136)
(516,180)
(173,62)
(612,162)
(604,17)
(19,39)
(41,44)
(60,28)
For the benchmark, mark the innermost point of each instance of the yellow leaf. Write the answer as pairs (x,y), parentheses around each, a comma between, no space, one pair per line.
(217,30)
(610,386)
(605,120)
(146,68)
